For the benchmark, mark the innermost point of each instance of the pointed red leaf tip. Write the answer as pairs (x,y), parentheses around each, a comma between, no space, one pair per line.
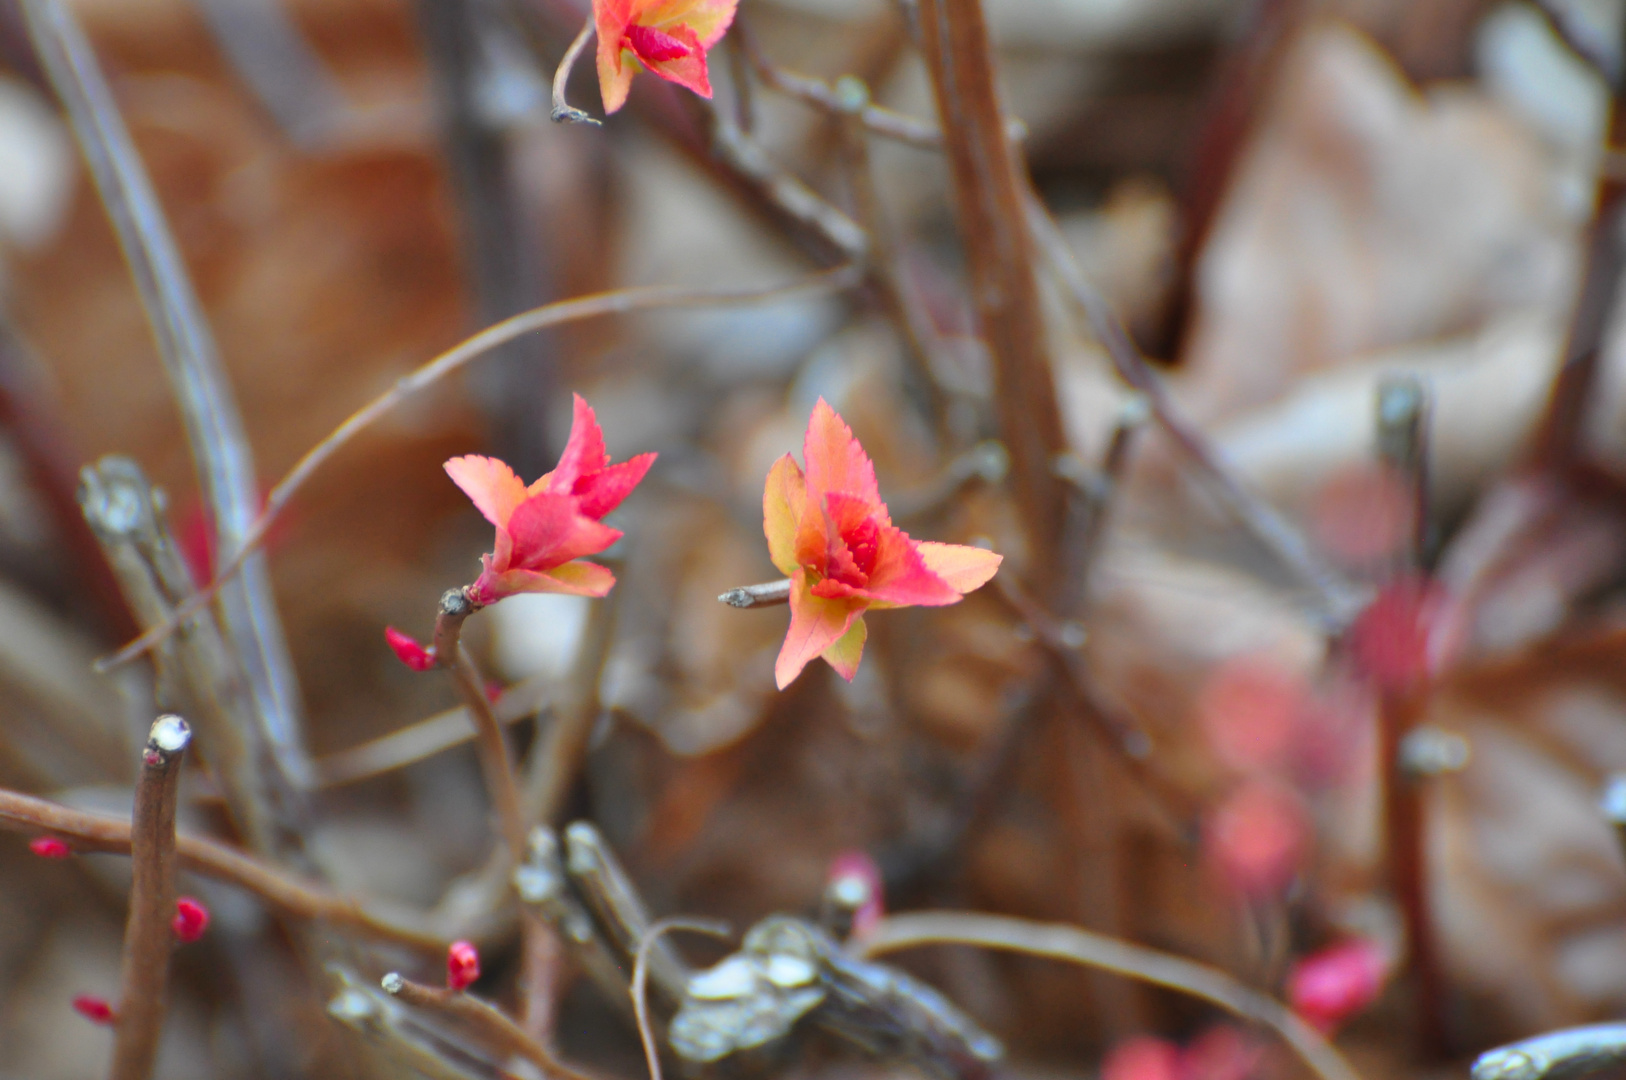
(1333,984)
(1390,640)
(1258,837)
(462,965)
(190,921)
(831,534)
(855,882)
(408,650)
(50,847)
(667,37)
(544,529)
(95,1009)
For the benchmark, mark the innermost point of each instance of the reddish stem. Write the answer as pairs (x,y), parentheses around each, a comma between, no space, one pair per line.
(152,902)
(999,256)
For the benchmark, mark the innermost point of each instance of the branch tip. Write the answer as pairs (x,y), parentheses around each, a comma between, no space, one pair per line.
(764,595)
(563,112)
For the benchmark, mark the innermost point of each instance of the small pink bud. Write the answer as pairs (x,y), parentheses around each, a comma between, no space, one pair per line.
(50,847)
(1331,985)
(1390,640)
(1258,837)
(462,965)
(1251,709)
(190,921)
(495,691)
(1220,1053)
(855,883)
(1143,1057)
(95,1009)
(407,649)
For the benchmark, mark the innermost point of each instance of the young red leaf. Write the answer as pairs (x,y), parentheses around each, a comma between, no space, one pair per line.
(408,650)
(667,37)
(545,529)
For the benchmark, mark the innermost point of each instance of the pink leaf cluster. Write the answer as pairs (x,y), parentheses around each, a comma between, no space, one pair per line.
(829,532)
(1258,837)
(1331,985)
(1220,1053)
(462,965)
(1392,640)
(544,529)
(667,37)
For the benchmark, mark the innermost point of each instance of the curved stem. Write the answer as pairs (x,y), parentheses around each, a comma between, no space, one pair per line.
(563,111)
(1073,945)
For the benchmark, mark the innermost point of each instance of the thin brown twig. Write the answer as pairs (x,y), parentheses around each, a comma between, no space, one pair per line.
(564,112)
(495,763)
(426,738)
(557,761)
(615,302)
(199,672)
(640,977)
(792,200)
(540,942)
(147,935)
(988,194)
(768,594)
(490,1025)
(1339,599)
(214,427)
(1071,944)
(90,832)
(619,910)
(876,119)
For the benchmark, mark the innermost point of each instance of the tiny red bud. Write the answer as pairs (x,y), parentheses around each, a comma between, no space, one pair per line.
(462,965)
(1257,837)
(191,920)
(1143,1057)
(495,691)
(50,847)
(95,1009)
(1220,1053)
(407,649)
(1390,640)
(1331,985)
